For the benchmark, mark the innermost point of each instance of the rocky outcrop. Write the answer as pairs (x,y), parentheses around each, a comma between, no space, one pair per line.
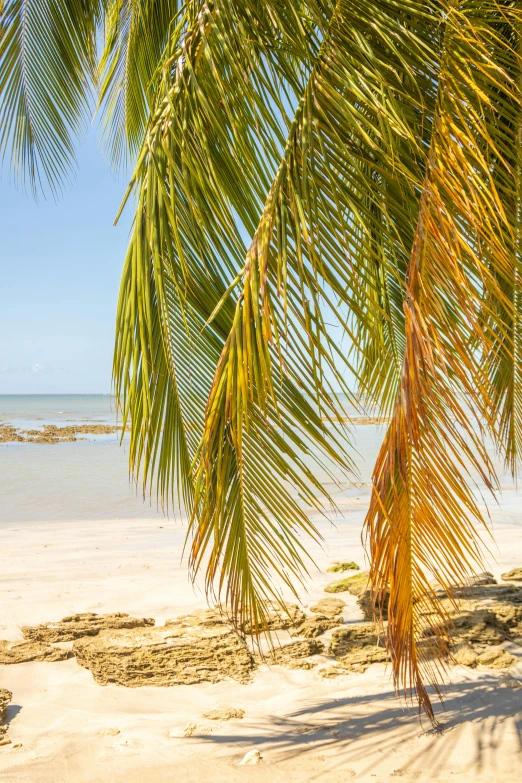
(294,655)
(486,614)
(357,646)
(515,575)
(9,434)
(5,698)
(496,658)
(23,652)
(479,626)
(78,625)
(278,617)
(465,655)
(50,433)
(315,626)
(355,585)
(368,609)
(358,585)
(227,713)
(331,607)
(195,648)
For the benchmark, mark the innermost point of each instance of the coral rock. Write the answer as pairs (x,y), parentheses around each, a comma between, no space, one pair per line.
(496,658)
(355,585)
(315,626)
(481,626)
(368,609)
(515,575)
(194,728)
(329,606)
(228,713)
(5,698)
(278,617)
(294,654)
(465,655)
(194,648)
(478,580)
(357,646)
(22,652)
(78,625)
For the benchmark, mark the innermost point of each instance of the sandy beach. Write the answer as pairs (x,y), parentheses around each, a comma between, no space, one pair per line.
(65,727)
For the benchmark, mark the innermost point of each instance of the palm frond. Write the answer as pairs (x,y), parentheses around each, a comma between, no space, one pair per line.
(328,199)
(424,518)
(47,71)
(137,34)
(325,236)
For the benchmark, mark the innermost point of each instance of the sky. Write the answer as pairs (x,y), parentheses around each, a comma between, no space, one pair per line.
(60,265)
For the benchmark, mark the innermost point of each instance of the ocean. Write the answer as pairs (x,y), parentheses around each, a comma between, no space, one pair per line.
(89,479)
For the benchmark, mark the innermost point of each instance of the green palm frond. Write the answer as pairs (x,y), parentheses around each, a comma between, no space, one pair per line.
(47,71)
(137,36)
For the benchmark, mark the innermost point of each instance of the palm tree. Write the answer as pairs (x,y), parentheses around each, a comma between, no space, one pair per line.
(302,172)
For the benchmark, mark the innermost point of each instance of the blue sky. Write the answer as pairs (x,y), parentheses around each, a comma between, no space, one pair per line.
(59,274)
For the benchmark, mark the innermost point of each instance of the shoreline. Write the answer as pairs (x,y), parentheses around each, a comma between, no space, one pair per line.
(306,728)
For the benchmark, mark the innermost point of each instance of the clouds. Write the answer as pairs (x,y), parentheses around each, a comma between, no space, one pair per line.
(34,369)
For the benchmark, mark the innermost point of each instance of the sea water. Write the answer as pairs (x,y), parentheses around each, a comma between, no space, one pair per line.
(89,479)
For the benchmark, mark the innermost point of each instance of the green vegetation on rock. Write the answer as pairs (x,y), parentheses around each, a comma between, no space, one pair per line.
(355,585)
(342,567)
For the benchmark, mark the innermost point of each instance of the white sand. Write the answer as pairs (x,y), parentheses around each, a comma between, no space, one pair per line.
(306,728)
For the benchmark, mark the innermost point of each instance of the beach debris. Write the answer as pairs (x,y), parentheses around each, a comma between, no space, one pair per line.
(340,567)
(201,647)
(25,651)
(5,699)
(252,757)
(515,575)
(331,607)
(108,732)
(357,646)
(355,585)
(193,728)
(330,672)
(278,617)
(315,626)
(77,626)
(227,713)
